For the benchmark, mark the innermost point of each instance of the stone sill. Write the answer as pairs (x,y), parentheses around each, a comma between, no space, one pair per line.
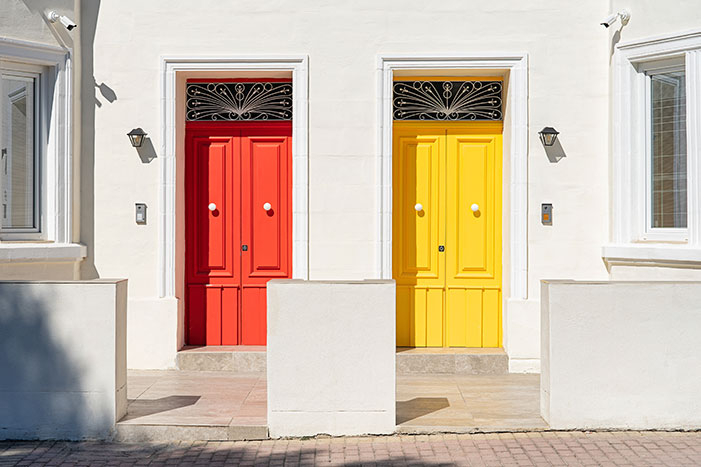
(42,252)
(652,255)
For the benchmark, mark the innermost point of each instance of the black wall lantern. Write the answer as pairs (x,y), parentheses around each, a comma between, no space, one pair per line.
(548,135)
(136,136)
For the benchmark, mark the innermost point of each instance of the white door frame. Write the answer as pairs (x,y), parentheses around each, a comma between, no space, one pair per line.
(170,67)
(516,105)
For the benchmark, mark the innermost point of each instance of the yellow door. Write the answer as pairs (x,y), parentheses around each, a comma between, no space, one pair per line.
(447,233)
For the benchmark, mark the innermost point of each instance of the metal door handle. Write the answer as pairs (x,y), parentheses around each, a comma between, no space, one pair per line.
(418,207)
(212,207)
(475,207)
(267,206)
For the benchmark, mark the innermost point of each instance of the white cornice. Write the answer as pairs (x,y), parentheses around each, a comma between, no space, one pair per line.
(35,52)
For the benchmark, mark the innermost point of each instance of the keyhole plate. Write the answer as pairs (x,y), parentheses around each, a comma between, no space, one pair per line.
(441,248)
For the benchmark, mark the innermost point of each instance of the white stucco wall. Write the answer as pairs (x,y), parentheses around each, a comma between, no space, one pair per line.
(24,22)
(331,357)
(621,355)
(118,81)
(650,19)
(62,358)
(568,80)
(21,19)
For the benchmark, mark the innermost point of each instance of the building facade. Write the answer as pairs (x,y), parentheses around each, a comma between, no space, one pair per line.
(328,140)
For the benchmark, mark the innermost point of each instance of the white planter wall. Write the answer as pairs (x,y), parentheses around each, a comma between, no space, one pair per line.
(621,355)
(62,359)
(331,357)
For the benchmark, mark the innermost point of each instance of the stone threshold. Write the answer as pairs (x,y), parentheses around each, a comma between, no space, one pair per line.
(457,361)
(425,360)
(233,358)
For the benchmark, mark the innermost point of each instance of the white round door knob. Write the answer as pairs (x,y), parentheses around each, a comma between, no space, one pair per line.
(212,206)
(475,207)
(418,207)
(267,206)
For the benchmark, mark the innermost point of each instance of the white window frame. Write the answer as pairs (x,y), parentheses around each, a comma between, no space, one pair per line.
(35,73)
(632,240)
(54,243)
(650,233)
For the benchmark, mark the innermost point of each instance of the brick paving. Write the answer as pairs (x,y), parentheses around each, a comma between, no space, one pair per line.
(499,449)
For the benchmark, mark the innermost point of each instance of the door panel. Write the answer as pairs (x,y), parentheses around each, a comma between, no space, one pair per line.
(213,268)
(418,178)
(474,269)
(230,299)
(418,266)
(266,180)
(449,298)
(196,309)
(253,316)
(239,168)
(419,316)
(472,161)
(211,174)
(266,163)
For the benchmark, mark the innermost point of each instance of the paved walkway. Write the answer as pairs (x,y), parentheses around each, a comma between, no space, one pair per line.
(528,449)
(217,402)
(460,403)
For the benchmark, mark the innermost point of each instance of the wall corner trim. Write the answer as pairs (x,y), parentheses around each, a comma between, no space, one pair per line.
(170,66)
(517,96)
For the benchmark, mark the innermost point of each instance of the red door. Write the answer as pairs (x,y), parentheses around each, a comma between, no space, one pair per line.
(238,227)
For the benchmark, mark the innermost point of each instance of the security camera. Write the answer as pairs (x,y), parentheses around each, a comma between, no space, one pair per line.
(609,20)
(65,20)
(612,18)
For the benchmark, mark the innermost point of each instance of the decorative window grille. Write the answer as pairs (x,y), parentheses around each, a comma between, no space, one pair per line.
(447,100)
(239,101)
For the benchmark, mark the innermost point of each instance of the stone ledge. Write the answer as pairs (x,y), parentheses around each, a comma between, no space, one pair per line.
(130,433)
(239,359)
(452,361)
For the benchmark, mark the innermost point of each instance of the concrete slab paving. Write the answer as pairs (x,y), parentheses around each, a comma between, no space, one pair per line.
(216,405)
(194,405)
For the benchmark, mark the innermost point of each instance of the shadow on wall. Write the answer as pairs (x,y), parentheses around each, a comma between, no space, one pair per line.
(146,151)
(106,91)
(40,385)
(88,26)
(555,152)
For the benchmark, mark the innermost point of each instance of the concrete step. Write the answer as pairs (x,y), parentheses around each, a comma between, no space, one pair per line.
(237,359)
(420,360)
(137,433)
(462,361)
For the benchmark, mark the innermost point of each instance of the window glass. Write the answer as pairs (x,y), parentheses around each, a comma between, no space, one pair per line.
(18,158)
(668,150)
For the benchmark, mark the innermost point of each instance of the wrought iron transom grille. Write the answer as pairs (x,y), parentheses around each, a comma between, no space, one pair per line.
(239,101)
(447,100)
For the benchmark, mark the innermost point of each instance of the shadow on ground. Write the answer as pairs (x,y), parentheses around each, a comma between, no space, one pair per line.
(143,407)
(418,407)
